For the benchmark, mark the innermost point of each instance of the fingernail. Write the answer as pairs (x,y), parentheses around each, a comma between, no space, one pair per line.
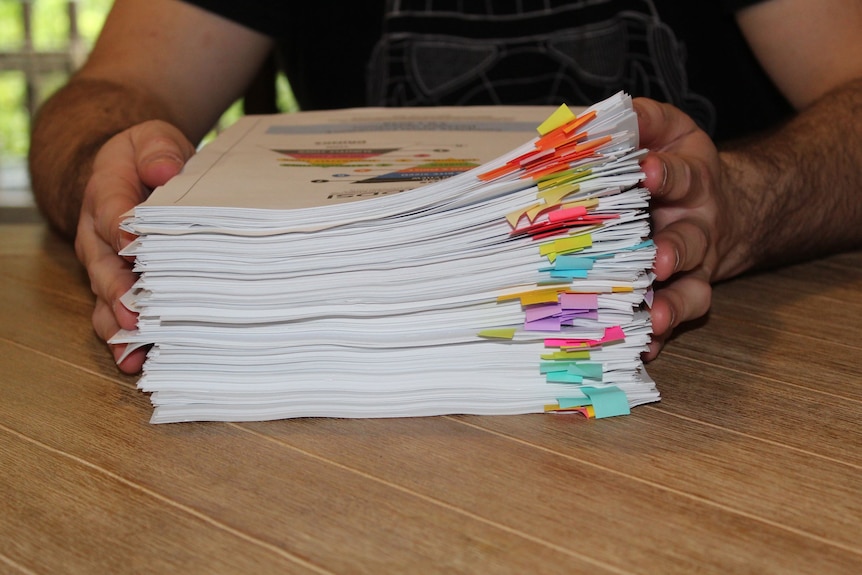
(163,157)
(663,176)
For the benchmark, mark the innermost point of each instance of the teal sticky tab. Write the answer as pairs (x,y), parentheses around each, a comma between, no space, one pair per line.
(607,401)
(563,377)
(573,263)
(643,244)
(569,402)
(590,370)
(554,366)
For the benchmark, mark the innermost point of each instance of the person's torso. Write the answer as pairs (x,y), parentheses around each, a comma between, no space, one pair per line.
(451,52)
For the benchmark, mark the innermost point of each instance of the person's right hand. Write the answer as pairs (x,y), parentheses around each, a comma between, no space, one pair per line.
(125,171)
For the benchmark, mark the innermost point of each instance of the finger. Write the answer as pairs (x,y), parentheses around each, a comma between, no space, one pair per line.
(106,327)
(682,300)
(110,277)
(661,125)
(161,151)
(655,346)
(680,246)
(134,362)
(675,178)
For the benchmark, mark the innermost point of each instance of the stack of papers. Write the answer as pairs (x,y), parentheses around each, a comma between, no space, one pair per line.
(399,262)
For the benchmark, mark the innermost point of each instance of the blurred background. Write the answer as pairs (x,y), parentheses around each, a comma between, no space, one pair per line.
(42,42)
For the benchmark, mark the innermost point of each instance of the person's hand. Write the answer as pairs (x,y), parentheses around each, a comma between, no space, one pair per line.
(125,171)
(689,215)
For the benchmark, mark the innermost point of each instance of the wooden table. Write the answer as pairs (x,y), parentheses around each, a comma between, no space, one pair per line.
(751,463)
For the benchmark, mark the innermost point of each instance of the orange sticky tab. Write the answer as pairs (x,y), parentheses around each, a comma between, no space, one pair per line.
(497,172)
(543,170)
(580,121)
(552,140)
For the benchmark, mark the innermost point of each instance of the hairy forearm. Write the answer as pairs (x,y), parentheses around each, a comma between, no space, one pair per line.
(796,193)
(68,131)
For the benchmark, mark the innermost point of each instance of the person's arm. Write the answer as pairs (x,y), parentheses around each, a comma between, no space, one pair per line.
(154,59)
(788,195)
(158,78)
(803,181)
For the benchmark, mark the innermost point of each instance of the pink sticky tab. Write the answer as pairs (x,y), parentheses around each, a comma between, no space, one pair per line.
(615,333)
(566,214)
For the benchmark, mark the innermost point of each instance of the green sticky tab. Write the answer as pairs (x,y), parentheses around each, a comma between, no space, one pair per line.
(607,401)
(590,370)
(498,333)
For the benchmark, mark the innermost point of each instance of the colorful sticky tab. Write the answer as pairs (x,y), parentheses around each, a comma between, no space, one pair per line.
(561,116)
(498,333)
(607,401)
(570,402)
(590,370)
(563,377)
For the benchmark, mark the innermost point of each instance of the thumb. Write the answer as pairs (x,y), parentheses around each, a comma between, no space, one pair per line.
(161,151)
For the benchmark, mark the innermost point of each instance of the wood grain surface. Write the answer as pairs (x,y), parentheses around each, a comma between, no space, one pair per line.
(751,463)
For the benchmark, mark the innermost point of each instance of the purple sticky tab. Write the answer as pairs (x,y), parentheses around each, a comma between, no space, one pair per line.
(541,311)
(546,324)
(579,300)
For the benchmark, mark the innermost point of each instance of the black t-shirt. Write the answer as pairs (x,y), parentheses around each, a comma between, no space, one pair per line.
(471,52)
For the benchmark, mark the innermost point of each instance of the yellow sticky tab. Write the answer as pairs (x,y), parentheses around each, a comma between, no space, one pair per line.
(533,297)
(563,355)
(622,289)
(540,296)
(554,195)
(514,217)
(535,210)
(570,244)
(563,177)
(561,116)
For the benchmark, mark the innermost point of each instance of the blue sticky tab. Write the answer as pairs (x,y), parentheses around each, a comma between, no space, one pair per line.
(607,401)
